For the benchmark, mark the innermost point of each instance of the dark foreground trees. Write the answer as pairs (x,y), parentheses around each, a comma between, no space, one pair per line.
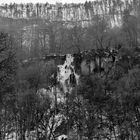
(111,103)
(8,67)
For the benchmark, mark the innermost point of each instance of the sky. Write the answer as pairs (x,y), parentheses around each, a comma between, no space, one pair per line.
(42,1)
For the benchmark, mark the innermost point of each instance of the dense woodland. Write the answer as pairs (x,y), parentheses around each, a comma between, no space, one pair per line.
(104,105)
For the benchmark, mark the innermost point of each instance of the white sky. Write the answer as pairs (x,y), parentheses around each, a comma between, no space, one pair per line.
(42,1)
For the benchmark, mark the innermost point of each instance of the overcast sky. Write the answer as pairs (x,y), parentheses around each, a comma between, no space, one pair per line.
(42,1)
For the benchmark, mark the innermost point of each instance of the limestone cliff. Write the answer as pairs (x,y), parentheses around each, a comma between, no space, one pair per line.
(82,12)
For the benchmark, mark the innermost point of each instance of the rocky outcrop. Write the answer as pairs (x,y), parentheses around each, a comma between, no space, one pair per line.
(84,13)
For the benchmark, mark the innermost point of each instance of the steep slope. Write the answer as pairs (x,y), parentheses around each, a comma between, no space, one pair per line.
(70,12)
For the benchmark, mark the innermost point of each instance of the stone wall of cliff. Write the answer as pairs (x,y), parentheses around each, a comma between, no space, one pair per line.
(113,9)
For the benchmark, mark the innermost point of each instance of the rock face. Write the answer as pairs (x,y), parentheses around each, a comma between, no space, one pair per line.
(75,65)
(66,74)
(83,13)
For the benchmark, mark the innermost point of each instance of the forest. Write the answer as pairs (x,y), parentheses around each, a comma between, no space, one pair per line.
(103,104)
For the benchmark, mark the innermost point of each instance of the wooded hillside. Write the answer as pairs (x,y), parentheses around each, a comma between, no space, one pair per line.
(70,69)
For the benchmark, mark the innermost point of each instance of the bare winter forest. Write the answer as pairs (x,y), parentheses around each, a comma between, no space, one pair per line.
(70,71)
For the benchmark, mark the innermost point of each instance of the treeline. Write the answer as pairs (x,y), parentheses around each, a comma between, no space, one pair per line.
(68,11)
(38,37)
(40,34)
